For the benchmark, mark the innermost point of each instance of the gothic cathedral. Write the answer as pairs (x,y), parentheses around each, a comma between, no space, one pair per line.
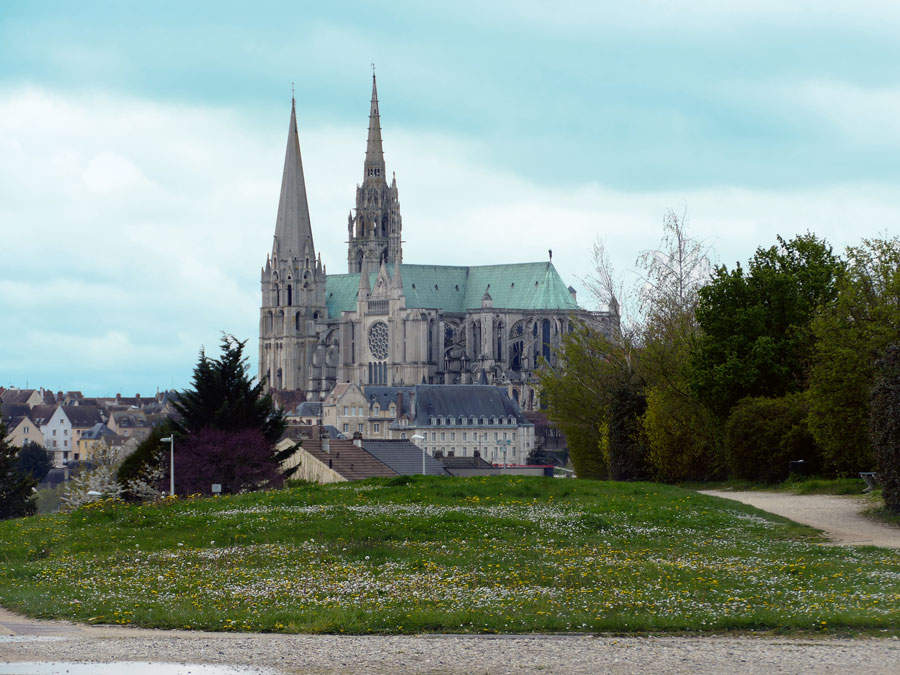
(390,323)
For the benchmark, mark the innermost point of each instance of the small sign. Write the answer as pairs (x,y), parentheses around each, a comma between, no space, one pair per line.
(216,488)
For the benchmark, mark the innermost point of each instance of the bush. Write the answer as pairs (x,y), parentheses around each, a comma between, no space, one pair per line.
(682,438)
(884,426)
(763,434)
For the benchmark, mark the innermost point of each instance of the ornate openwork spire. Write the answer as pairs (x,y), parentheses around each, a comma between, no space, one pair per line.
(374,167)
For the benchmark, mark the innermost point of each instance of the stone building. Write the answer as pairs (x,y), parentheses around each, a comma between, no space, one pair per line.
(389,323)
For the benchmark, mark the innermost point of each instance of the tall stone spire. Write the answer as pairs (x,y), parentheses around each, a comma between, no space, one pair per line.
(374,166)
(293,233)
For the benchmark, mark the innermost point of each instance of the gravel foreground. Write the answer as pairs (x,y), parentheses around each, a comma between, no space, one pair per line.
(26,640)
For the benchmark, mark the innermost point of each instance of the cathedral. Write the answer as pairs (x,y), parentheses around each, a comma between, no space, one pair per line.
(386,322)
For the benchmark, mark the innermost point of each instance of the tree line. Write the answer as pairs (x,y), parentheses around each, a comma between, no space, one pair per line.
(738,371)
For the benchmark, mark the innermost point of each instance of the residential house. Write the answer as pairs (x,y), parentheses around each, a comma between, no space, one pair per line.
(20,428)
(131,423)
(327,460)
(64,427)
(29,397)
(95,439)
(308,413)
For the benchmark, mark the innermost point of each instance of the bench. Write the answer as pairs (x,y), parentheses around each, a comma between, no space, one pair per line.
(871,479)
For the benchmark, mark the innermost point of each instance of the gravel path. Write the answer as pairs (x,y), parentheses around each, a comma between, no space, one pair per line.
(51,641)
(839,517)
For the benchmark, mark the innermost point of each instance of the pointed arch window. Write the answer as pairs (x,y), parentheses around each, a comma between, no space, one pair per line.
(290,294)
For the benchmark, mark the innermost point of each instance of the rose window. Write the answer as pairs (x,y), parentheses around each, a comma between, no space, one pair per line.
(378,340)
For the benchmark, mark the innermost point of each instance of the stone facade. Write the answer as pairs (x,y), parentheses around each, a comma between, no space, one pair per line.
(393,324)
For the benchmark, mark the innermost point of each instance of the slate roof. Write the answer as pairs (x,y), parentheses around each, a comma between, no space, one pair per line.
(17,410)
(464,400)
(82,416)
(97,432)
(524,286)
(41,414)
(309,409)
(403,457)
(16,395)
(346,459)
(384,396)
(465,463)
(132,419)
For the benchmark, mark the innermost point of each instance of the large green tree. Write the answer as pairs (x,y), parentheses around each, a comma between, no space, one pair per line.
(851,335)
(224,397)
(16,488)
(756,335)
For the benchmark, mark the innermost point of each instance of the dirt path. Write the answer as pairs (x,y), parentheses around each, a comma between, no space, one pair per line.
(30,646)
(839,517)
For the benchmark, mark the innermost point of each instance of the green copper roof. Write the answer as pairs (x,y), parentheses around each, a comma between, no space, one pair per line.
(527,286)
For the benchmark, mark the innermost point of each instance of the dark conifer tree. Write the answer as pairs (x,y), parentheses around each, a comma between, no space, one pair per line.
(15,487)
(224,396)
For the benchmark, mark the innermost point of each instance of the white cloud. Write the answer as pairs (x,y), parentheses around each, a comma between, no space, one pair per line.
(133,232)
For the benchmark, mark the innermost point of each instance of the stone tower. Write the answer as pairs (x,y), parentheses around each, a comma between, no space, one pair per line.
(292,311)
(375,230)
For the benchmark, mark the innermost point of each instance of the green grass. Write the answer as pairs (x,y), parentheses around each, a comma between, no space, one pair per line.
(496,554)
(796,485)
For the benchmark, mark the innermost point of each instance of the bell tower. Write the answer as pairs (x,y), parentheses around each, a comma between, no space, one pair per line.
(374,230)
(292,311)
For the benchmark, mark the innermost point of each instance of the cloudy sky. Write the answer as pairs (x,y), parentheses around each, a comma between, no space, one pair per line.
(141,147)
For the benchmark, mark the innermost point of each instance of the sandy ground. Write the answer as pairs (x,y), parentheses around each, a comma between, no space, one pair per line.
(839,517)
(55,646)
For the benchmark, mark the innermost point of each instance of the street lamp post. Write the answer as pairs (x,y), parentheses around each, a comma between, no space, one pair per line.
(171,441)
(420,437)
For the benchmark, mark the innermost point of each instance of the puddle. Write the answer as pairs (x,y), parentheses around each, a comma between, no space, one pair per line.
(130,667)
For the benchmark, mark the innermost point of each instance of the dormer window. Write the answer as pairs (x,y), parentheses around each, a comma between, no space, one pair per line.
(442,421)
(452,421)
(433,421)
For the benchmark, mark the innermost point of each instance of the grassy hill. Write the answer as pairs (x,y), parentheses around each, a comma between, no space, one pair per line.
(498,554)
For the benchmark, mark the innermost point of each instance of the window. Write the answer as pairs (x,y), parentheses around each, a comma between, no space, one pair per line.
(443,436)
(402,435)
(465,436)
(484,421)
(433,421)
(496,435)
(452,435)
(504,435)
(433,436)
(54,432)
(442,421)
(345,411)
(65,432)
(376,428)
(452,421)
(360,427)
(346,428)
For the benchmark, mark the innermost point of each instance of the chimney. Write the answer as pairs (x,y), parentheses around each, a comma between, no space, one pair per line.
(325,441)
(138,397)
(118,398)
(399,403)
(59,397)
(357,439)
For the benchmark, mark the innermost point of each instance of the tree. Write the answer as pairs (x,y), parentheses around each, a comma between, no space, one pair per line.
(34,460)
(98,475)
(224,396)
(851,334)
(682,441)
(236,460)
(140,473)
(626,449)
(224,399)
(764,434)
(577,395)
(884,426)
(757,338)
(16,488)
